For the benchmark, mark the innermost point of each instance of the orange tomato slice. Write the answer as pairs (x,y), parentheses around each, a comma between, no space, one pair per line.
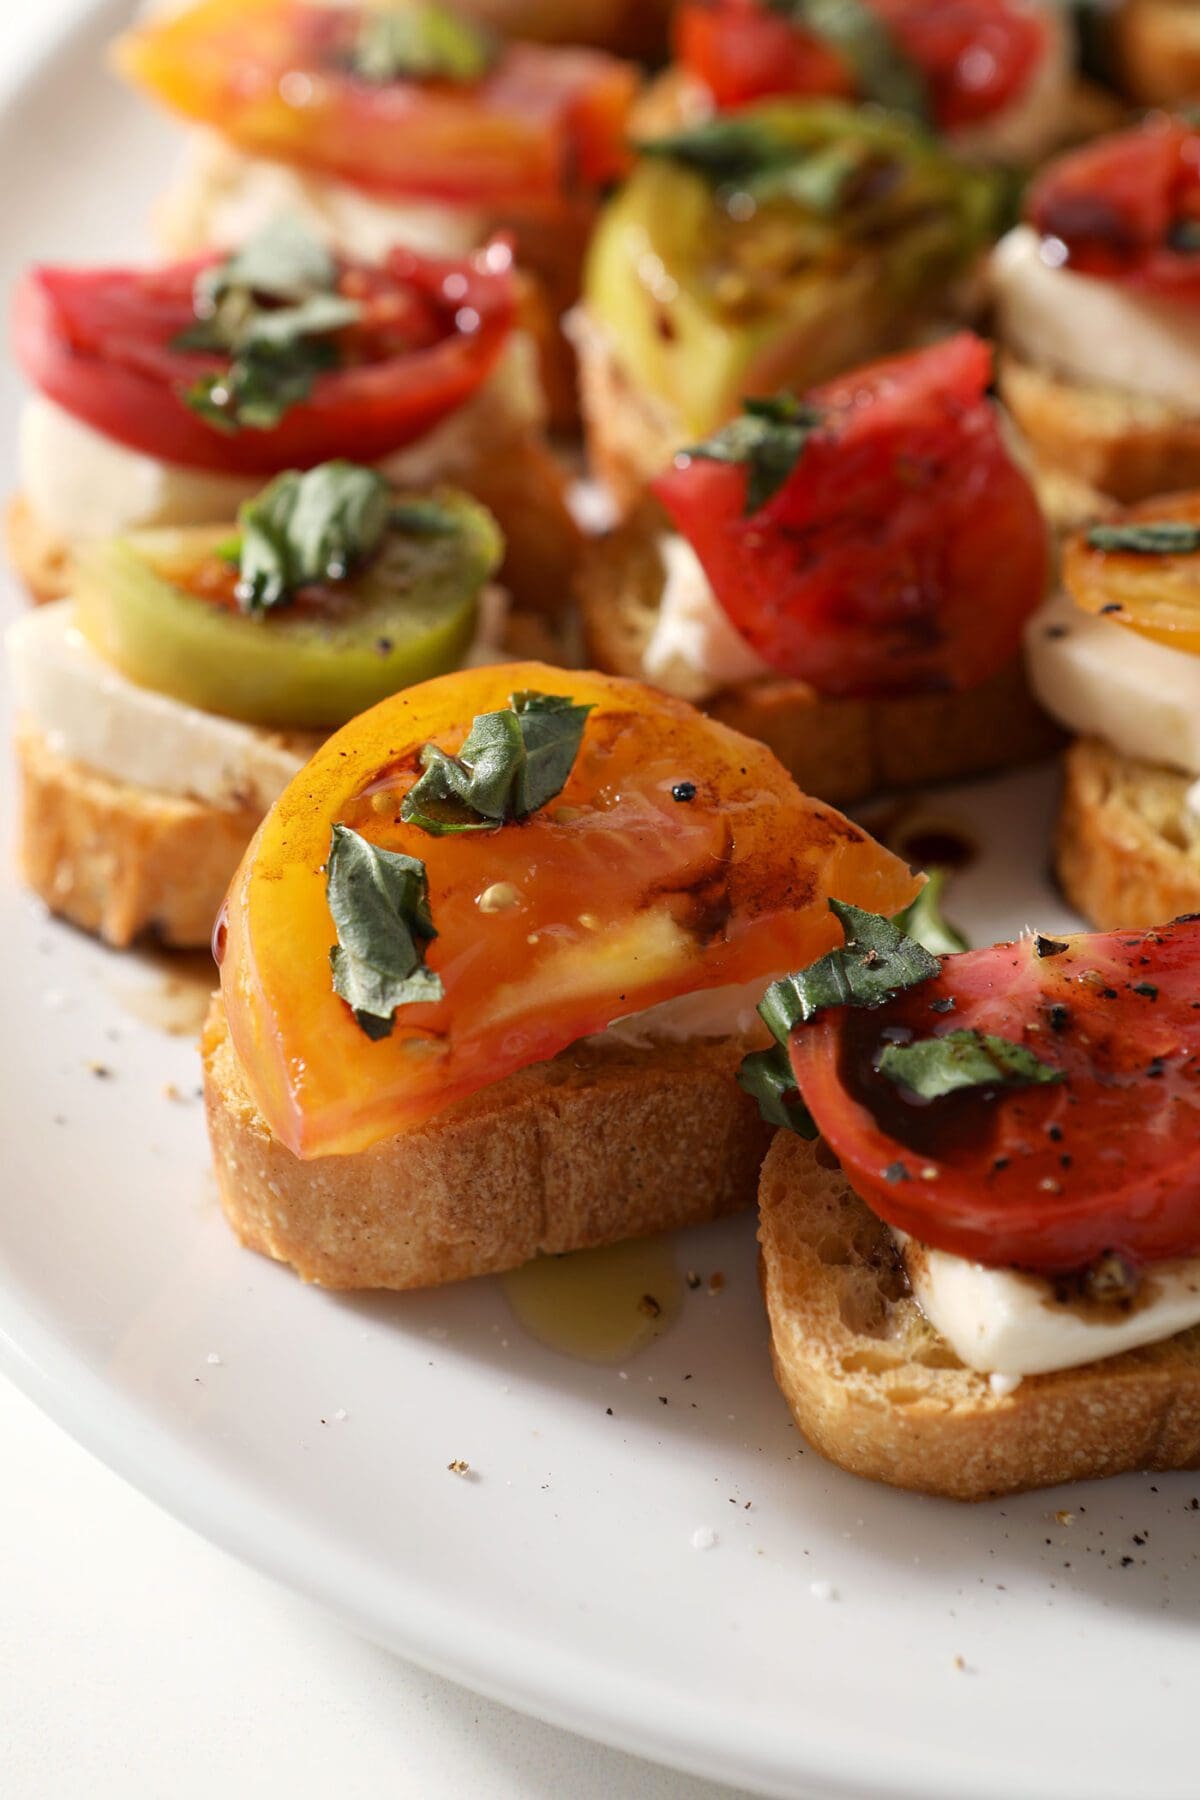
(1155,595)
(614,896)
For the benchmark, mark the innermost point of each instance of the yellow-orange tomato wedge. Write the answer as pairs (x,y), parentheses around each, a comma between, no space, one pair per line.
(1156,594)
(614,896)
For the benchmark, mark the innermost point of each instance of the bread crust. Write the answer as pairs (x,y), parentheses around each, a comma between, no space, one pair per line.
(121,861)
(1124,446)
(1157,46)
(40,558)
(1127,846)
(631,435)
(877,1391)
(840,749)
(602,1143)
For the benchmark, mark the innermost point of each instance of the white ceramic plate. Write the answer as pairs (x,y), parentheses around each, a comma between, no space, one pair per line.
(836,1638)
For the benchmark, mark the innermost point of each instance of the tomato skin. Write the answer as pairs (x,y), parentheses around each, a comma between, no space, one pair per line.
(976,56)
(1045,1178)
(902,554)
(622,896)
(98,343)
(1113,206)
(271,76)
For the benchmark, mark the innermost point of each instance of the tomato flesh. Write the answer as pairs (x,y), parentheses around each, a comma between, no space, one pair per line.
(1158,596)
(618,895)
(976,56)
(905,550)
(1045,1178)
(1127,208)
(99,342)
(272,77)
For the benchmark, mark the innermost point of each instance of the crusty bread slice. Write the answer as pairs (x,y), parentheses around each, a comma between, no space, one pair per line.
(602,1143)
(1127,843)
(631,434)
(1158,50)
(119,860)
(876,1390)
(1120,444)
(840,749)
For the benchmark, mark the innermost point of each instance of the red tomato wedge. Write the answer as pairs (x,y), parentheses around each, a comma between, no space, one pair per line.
(1048,1177)
(98,342)
(619,895)
(904,551)
(975,57)
(273,76)
(1127,208)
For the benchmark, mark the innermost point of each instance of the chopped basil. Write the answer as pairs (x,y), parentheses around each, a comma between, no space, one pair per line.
(876,961)
(725,150)
(308,527)
(923,919)
(272,310)
(419,42)
(424,518)
(767,1075)
(379,900)
(1154,537)
(934,1066)
(883,73)
(770,438)
(510,764)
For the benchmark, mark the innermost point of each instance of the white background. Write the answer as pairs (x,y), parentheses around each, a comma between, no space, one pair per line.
(135,1660)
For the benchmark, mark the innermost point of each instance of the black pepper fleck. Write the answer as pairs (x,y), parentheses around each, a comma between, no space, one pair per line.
(1046,946)
(684,790)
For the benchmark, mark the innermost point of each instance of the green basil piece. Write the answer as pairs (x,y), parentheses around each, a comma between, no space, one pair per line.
(1154,537)
(767,1075)
(725,150)
(876,961)
(882,71)
(302,528)
(379,902)
(924,921)
(769,438)
(510,764)
(418,42)
(935,1066)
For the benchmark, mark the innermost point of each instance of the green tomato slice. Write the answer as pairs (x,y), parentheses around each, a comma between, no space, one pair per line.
(158,606)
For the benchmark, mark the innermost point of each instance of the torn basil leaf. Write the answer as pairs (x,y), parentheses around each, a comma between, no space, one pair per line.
(416,42)
(924,921)
(767,1075)
(379,901)
(510,764)
(856,31)
(282,262)
(935,1066)
(876,961)
(769,438)
(424,518)
(726,150)
(303,528)
(1152,537)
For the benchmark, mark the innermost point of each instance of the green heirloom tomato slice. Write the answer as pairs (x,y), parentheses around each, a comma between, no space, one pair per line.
(160,606)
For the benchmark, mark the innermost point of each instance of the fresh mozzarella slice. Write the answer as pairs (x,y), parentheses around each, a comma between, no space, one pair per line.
(694,650)
(1010,1324)
(729,1011)
(1092,331)
(1103,680)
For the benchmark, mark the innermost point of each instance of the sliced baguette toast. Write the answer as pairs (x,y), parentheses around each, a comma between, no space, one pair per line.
(1127,843)
(1158,50)
(1123,446)
(602,1143)
(840,749)
(877,1391)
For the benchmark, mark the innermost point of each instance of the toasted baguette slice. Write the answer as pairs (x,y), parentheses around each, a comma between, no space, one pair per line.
(602,1143)
(1158,50)
(876,1390)
(119,860)
(1120,444)
(1127,844)
(840,749)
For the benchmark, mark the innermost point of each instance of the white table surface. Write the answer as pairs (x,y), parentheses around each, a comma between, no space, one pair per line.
(136,1660)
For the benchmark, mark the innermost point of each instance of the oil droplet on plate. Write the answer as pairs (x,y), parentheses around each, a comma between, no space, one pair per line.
(600,1305)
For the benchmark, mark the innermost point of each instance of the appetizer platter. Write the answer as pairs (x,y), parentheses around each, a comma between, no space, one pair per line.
(602,932)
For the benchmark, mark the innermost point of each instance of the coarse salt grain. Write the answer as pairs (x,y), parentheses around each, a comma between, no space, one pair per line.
(212,1358)
(822,1590)
(703,1538)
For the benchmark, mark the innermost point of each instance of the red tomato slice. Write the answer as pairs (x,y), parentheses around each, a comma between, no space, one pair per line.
(976,56)
(624,891)
(272,76)
(1127,208)
(905,550)
(98,343)
(1046,1177)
